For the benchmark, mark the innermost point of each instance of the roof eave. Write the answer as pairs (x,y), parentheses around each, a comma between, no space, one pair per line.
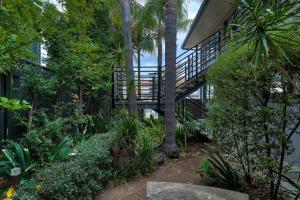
(195,21)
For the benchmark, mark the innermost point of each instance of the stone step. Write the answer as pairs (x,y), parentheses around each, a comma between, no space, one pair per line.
(179,191)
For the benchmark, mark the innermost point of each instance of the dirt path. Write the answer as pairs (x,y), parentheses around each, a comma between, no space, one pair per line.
(182,170)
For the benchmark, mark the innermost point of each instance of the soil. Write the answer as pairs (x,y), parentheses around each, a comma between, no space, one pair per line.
(182,170)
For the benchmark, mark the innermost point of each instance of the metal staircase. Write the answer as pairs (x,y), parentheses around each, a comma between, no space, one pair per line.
(191,69)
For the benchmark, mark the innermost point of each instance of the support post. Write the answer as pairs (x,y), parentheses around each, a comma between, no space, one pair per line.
(197,64)
(159,71)
(153,88)
(189,67)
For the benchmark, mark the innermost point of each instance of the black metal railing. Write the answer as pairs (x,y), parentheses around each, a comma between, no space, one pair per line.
(191,108)
(146,84)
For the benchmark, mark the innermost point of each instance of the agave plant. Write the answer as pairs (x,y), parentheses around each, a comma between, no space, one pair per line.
(220,171)
(17,158)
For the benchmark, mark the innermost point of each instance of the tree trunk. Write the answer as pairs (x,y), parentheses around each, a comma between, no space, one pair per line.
(132,106)
(159,62)
(8,113)
(159,45)
(266,97)
(30,113)
(139,72)
(169,146)
(284,143)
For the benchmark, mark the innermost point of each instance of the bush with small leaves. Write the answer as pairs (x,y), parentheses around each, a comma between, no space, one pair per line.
(78,178)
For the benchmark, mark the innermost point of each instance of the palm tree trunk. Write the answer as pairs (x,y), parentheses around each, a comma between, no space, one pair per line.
(132,106)
(139,72)
(159,61)
(159,46)
(169,146)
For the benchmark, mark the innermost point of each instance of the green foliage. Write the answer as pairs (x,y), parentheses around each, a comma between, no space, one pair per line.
(88,171)
(77,63)
(220,172)
(125,131)
(38,84)
(16,157)
(61,151)
(232,109)
(156,129)
(14,104)
(19,24)
(90,166)
(145,153)
(205,170)
(265,25)
(42,140)
(251,110)
(185,129)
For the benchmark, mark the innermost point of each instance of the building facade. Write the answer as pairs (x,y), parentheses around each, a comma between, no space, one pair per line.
(8,128)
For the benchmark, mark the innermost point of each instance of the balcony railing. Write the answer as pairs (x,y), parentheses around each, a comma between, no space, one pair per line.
(146,84)
(191,67)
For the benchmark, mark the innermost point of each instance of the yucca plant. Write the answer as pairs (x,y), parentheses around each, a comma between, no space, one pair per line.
(267,25)
(220,171)
(18,157)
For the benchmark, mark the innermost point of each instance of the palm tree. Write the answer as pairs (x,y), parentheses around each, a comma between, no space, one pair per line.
(142,38)
(155,9)
(169,145)
(126,28)
(159,10)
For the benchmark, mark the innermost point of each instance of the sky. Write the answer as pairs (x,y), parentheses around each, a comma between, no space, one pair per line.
(151,59)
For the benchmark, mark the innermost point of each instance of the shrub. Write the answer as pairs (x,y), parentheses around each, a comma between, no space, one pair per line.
(125,130)
(78,178)
(90,169)
(45,134)
(253,115)
(43,140)
(156,129)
